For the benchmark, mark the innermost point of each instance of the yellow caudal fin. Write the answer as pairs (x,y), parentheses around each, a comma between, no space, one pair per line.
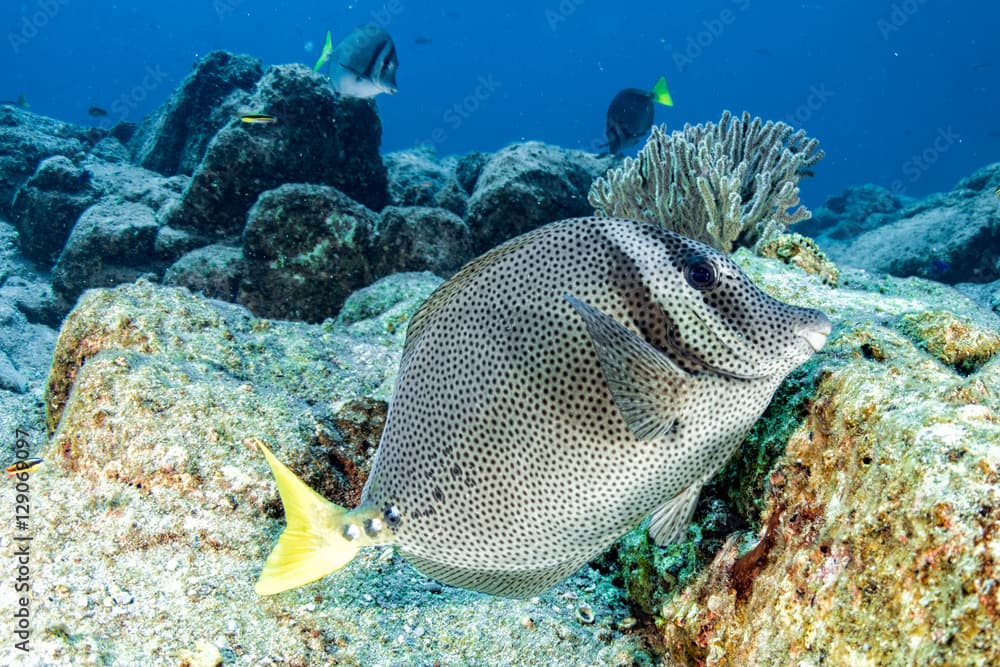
(312,545)
(324,55)
(661,94)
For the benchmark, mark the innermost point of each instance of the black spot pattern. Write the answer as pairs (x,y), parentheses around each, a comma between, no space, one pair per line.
(504,453)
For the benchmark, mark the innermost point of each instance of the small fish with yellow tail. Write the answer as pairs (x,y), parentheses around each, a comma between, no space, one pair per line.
(552,394)
(258,119)
(23,466)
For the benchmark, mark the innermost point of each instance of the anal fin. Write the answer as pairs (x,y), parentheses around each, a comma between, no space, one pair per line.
(668,521)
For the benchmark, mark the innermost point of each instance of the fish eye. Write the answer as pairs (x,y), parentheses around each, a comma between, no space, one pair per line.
(701,274)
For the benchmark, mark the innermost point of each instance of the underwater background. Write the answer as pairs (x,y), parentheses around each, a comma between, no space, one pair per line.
(208,248)
(898,92)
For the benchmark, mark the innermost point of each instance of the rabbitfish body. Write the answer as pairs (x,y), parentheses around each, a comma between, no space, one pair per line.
(559,389)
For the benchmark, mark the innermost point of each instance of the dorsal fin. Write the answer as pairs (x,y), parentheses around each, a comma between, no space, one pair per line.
(458,282)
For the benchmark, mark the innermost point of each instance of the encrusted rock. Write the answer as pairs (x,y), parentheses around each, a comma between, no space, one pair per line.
(877,472)
(949,237)
(802,251)
(420,238)
(319,137)
(853,212)
(305,250)
(47,206)
(214,271)
(526,185)
(416,179)
(173,139)
(27,138)
(468,168)
(112,243)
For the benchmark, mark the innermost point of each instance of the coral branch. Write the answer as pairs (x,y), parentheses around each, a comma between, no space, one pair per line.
(726,184)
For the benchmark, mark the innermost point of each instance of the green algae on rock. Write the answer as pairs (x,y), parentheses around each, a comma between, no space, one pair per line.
(953,340)
(802,252)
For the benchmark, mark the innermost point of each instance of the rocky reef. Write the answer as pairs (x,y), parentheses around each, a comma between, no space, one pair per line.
(173,293)
(951,237)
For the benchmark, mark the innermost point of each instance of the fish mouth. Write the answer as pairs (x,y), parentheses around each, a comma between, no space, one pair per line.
(815,333)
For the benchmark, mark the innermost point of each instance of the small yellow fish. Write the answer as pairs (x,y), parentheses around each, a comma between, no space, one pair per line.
(26,465)
(996,193)
(258,119)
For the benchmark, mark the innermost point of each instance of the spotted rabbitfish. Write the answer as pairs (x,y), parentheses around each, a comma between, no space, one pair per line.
(551,395)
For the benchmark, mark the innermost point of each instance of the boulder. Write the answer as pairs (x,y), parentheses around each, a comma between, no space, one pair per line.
(173,139)
(950,237)
(27,138)
(420,238)
(526,185)
(113,242)
(47,206)
(213,271)
(417,179)
(26,342)
(468,168)
(305,249)
(319,137)
(853,212)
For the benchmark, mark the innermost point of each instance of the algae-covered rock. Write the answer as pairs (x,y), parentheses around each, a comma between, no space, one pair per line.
(802,252)
(953,340)
(214,270)
(416,178)
(319,137)
(305,249)
(27,138)
(420,238)
(112,242)
(46,207)
(173,139)
(526,185)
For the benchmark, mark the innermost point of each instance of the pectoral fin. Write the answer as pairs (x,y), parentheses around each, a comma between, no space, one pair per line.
(643,380)
(668,521)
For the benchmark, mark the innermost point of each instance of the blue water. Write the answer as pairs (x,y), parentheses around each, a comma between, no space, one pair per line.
(899,93)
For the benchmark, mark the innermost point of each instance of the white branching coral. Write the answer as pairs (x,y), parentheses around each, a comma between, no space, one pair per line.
(725,184)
